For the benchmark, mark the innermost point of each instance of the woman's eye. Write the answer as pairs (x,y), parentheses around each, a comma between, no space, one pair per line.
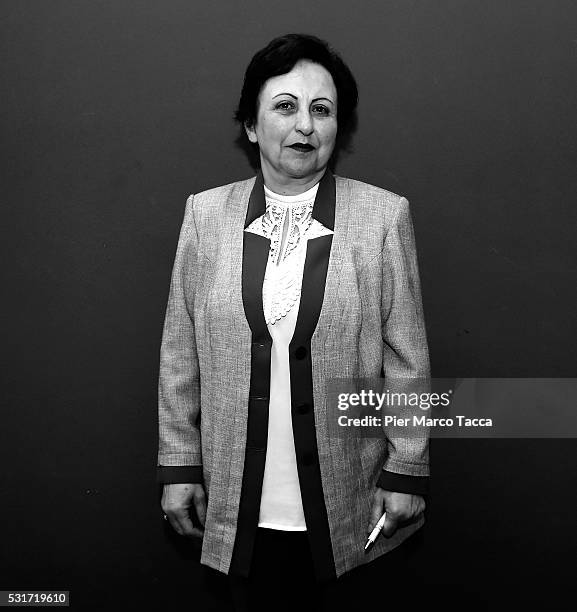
(321,110)
(285,105)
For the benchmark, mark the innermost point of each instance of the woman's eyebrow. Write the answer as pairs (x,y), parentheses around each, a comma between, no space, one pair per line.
(323,98)
(286,93)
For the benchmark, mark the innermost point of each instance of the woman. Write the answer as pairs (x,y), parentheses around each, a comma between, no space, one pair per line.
(281,282)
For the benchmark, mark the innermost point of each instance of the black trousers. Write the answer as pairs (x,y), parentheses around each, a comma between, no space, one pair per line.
(282,578)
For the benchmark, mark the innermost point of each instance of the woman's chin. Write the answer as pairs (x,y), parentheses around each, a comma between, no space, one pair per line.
(301,169)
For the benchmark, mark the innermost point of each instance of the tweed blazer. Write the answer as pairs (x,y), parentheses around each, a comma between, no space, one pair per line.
(360,316)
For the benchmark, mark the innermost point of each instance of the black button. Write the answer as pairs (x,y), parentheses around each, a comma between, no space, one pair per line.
(301,352)
(303,408)
(308,458)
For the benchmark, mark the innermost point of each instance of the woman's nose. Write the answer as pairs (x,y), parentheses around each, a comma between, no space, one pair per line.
(304,122)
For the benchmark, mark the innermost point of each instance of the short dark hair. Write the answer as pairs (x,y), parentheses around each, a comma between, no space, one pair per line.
(279,57)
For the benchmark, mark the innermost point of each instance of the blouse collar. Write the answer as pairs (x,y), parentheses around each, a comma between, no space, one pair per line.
(323,208)
(292,200)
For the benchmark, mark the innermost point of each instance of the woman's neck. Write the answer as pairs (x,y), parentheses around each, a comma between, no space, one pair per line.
(290,186)
(292,200)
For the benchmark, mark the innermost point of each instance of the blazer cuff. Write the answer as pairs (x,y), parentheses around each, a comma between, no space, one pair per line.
(173,474)
(401,483)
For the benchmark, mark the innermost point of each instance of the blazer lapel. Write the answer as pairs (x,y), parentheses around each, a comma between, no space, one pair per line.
(316,263)
(330,303)
(255,258)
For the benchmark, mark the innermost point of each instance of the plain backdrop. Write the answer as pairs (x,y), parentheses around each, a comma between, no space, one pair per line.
(113,111)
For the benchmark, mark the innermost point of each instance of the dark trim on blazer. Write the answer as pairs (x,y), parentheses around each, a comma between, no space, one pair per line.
(401,483)
(172,474)
(303,417)
(255,257)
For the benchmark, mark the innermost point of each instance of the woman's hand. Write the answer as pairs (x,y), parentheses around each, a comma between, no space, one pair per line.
(177,500)
(400,508)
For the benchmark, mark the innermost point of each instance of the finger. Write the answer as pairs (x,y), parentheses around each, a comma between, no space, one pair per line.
(200,507)
(417,511)
(196,533)
(376,513)
(390,526)
(183,525)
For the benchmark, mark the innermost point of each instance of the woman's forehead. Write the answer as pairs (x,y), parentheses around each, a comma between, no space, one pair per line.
(306,78)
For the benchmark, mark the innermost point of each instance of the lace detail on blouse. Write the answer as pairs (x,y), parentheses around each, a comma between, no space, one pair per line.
(299,220)
(283,276)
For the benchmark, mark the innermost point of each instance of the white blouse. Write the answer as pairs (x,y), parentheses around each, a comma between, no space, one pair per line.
(288,224)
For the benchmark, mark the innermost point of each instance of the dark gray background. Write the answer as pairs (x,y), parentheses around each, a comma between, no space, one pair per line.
(113,112)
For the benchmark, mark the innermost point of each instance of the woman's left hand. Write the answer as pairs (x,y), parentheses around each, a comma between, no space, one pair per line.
(400,508)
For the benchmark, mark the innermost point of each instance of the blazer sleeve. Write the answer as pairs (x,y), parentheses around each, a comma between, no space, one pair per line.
(405,350)
(179,448)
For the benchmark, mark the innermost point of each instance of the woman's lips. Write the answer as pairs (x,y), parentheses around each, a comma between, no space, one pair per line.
(302,148)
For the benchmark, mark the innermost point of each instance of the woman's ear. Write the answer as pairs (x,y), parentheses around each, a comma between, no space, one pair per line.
(250,131)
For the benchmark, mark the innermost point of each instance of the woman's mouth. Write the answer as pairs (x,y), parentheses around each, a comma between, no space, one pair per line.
(301,147)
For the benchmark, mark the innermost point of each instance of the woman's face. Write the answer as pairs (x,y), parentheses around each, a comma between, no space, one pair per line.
(296,124)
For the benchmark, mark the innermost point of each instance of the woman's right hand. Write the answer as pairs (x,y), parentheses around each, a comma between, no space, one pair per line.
(177,500)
